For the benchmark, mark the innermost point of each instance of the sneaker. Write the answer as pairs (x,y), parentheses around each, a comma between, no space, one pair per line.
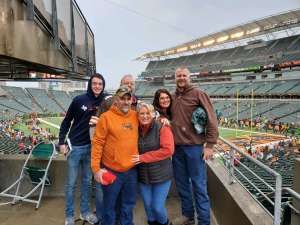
(69,221)
(90,218)
(183,220)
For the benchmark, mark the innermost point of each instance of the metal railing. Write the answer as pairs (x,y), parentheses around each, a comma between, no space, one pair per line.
(295,195)
(277,190)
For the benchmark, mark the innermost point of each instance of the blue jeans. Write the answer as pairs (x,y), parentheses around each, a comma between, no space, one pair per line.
(99,200)
(80,157)
(154,197)
(191,179)
(124,187)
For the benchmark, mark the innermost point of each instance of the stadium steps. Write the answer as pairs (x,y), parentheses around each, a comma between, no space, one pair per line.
(234,52)
(276,106)
(283,87)
(289,114)
(51,96)
(34,100)
(273,45)
(58,103)
(8,107)
(18,93)
(294,42)
(294,90)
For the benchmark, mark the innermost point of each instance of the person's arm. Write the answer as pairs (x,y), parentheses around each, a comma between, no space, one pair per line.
(212,133)
(65,126)
(98,143)
(166,147)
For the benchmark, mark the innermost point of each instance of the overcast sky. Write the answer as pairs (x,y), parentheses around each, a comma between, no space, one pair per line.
(125,29)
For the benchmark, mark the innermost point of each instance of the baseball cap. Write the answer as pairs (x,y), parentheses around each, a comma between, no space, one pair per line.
(123,90)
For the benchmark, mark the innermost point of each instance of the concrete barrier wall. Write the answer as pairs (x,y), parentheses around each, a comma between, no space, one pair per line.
(231,204)
(10,168)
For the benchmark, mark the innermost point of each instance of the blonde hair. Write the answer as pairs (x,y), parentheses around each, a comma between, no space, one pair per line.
(149,107)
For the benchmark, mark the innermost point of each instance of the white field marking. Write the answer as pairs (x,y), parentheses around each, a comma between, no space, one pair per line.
(46,122)
(254,132)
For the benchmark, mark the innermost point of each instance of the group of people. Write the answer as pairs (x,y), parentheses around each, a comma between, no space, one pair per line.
(8,130)
(261,124)
(132,147)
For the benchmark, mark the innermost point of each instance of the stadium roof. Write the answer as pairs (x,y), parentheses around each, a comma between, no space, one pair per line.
(262,26)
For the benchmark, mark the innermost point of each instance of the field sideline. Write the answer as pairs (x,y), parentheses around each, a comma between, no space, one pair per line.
(227,133)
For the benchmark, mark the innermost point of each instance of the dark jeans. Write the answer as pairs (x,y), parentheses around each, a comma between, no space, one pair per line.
(191,181)
(124,187)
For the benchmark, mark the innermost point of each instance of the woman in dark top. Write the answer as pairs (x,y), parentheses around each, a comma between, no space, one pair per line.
(162,103)
(156,146)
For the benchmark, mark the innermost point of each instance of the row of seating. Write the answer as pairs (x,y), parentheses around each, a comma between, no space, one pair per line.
(258,88)
(7,145)
(20,101)
(286,112)
(42,98)
(273,52)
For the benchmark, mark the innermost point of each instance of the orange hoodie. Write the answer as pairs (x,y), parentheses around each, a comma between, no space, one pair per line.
(115,140)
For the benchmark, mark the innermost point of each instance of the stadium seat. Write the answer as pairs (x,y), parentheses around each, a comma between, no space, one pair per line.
(38,175)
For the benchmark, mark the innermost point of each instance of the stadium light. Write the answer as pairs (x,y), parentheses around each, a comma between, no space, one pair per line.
(237,35)
(209,42)
(169,52)
(195,46)
(182,49)
(221,39)
(255,30)
(32,74)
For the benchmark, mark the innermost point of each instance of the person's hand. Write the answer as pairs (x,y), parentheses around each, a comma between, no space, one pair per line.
(94,120)
(63,149)
(208,153)
(98,175)
(165,121)
(136,159)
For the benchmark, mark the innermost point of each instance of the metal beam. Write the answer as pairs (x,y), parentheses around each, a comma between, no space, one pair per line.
(29,10)
(55,24)
(73,44)
(86,44)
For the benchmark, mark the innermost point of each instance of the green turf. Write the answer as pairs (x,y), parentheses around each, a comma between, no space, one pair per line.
(55,120)
(53,130)
(229,134)
(22,127)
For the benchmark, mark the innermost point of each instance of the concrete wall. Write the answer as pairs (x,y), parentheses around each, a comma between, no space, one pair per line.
(232,204)
(10,167)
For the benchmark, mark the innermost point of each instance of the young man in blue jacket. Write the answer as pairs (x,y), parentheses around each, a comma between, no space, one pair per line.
(79,114)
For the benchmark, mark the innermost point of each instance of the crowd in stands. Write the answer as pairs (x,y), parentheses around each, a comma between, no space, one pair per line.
(24,142)
(262,124)
(268,153)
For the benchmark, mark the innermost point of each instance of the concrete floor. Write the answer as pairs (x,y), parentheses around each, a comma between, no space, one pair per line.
(51,212)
